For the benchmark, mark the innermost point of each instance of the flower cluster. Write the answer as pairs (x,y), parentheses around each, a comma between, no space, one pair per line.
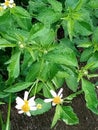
(7,4)
(25,105)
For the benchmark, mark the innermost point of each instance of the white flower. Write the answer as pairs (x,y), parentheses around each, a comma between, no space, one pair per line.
(8,3)
(24,106)
(56,97)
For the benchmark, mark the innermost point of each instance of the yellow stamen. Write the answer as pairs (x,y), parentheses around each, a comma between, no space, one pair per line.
(7,3)
(39,106)
(57,100)
(26,107)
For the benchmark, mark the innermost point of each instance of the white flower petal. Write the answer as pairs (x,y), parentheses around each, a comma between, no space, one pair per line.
(53,104)
(61,96)
(31,101)
(4,7)
(11,1)
(19,101)
(59,93)
(18,107)
(53,93)
(11,6)
(26,95)
(28,113)
(20,112)
(48,100)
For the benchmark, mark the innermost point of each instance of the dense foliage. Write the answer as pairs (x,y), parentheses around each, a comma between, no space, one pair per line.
(45,44)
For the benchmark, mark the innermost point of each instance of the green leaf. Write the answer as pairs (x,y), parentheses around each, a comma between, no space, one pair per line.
(85,25)
(68,116)
(20,12)
(72,82)
(62,55)
(70,27)
(94,60)
(57,115)
(46,90)
(48,16)
(33,71)
(90,96)
(73,95)
(48,71)
(71,3)
(3,94)
(18,87)
(86,54)
(57,6)
(94,4)
(85,44)
(95,36)
(23,23)
(14,65)
(72,76)
(5,43)
(83,28)
(44,107)
(36,28)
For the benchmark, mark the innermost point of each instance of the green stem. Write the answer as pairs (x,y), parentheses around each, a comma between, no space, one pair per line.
(71,96)
(1,121)
(8,115)
(36,87)
(34,84)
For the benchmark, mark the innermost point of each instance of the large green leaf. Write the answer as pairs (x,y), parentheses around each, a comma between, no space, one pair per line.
(18,87)
(90,96)
(48,71)
(14,65)
(71,3)
(48,16)
(83,28)
(33,71)
(85,55)
(68,116)
(72,82)
(93,59)
(44,107)
(20,12)
(94,4)
(62,55)
(5,43)
(57,115)
(57,6)
(70,27)
(3,94)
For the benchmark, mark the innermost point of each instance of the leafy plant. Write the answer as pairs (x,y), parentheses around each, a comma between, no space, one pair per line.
(36,59)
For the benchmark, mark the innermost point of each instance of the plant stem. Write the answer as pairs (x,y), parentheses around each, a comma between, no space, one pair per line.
(1,121)
(8,115)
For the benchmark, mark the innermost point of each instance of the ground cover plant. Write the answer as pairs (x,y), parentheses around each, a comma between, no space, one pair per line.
(37,59)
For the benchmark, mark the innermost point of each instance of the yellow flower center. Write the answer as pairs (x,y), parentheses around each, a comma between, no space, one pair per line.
(57,100)
(26,106)
(39,106)
(7,3)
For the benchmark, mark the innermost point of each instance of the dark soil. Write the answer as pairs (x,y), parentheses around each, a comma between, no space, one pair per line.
(88,121)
